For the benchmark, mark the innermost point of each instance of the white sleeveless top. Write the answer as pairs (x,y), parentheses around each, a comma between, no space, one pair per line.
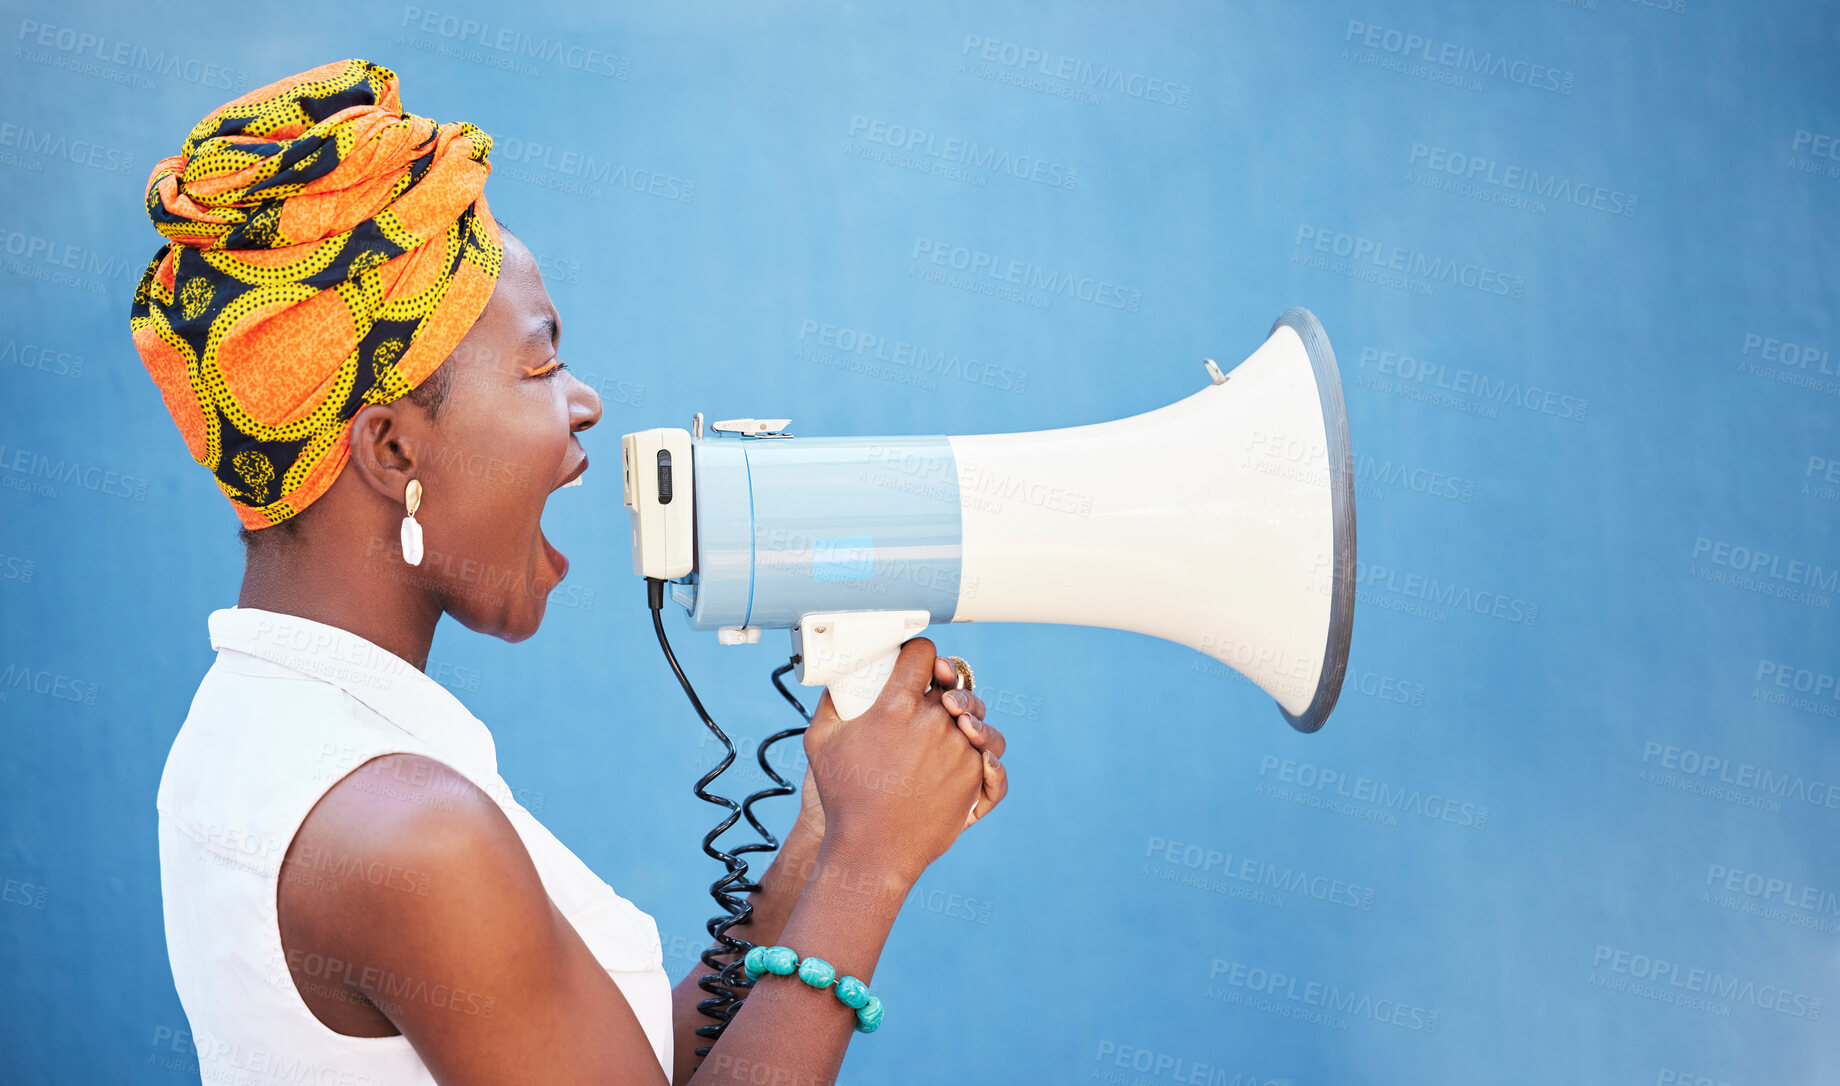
(289,708)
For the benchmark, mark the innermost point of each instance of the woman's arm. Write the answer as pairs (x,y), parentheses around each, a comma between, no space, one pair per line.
(773,903)
(797,864)
(462,952)
(789,1032)
(493,986)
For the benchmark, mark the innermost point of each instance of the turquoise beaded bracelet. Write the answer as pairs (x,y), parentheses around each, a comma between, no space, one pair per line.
(784,961)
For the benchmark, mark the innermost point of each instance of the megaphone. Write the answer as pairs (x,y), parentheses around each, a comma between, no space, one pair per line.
(1224,522)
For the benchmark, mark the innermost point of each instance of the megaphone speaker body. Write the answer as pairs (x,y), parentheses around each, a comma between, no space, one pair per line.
(1223,521)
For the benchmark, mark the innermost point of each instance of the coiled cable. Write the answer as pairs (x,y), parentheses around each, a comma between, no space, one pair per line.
(728,984)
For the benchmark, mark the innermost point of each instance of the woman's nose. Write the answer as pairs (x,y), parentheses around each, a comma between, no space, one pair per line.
(584,406)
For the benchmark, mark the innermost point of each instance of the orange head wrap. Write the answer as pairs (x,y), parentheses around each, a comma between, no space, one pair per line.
(325,250)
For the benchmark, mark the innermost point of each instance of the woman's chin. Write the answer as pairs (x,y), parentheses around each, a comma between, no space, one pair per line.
(558,562)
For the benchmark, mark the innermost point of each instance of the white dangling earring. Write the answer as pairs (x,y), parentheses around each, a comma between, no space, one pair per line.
(411,531)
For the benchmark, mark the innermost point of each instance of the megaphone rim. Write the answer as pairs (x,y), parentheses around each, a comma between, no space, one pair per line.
(1341,503)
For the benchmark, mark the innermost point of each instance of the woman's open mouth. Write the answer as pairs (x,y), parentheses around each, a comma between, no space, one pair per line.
(557,560)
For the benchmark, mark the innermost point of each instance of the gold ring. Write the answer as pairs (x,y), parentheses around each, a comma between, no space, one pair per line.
(965,679)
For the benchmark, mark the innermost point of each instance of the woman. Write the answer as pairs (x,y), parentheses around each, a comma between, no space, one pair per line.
(344,335)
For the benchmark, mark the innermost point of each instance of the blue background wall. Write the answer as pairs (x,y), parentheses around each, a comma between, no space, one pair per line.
(1593,414)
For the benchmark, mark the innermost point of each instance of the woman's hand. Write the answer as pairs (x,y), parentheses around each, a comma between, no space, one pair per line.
(897,782)
(968,710)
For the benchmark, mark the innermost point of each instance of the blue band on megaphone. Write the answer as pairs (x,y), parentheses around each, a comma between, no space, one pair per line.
(789,527)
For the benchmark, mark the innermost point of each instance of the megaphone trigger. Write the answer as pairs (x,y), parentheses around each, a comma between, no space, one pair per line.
(853,653)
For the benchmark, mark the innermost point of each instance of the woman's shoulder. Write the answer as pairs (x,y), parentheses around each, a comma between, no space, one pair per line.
(411,821)
(260,744)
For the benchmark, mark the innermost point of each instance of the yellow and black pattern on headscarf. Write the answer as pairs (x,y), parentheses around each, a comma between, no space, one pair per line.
(324,250)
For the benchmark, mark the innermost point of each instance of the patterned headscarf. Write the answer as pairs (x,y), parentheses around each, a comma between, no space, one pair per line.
(325,250)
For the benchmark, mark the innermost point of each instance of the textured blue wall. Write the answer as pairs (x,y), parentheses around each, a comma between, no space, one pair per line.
(1576,817)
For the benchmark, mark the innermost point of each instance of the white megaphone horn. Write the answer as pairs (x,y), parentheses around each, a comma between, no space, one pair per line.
(1224,522)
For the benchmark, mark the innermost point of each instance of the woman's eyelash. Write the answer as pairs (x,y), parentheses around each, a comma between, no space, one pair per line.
(549,370)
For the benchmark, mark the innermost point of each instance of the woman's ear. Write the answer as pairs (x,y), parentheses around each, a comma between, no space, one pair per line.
(383,449)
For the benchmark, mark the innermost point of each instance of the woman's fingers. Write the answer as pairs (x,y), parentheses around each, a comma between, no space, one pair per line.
(996,786)
(964,701)
(945,677)
(968,711)
(983,736)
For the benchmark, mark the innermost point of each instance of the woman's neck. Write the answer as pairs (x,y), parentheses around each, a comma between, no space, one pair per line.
(353,592)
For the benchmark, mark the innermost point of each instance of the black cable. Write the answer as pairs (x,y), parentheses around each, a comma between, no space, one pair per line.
(728,980)
(728,985)
(780,786)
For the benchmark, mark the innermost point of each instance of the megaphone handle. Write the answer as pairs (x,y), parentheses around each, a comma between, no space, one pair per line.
(852,695)
(853,653)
